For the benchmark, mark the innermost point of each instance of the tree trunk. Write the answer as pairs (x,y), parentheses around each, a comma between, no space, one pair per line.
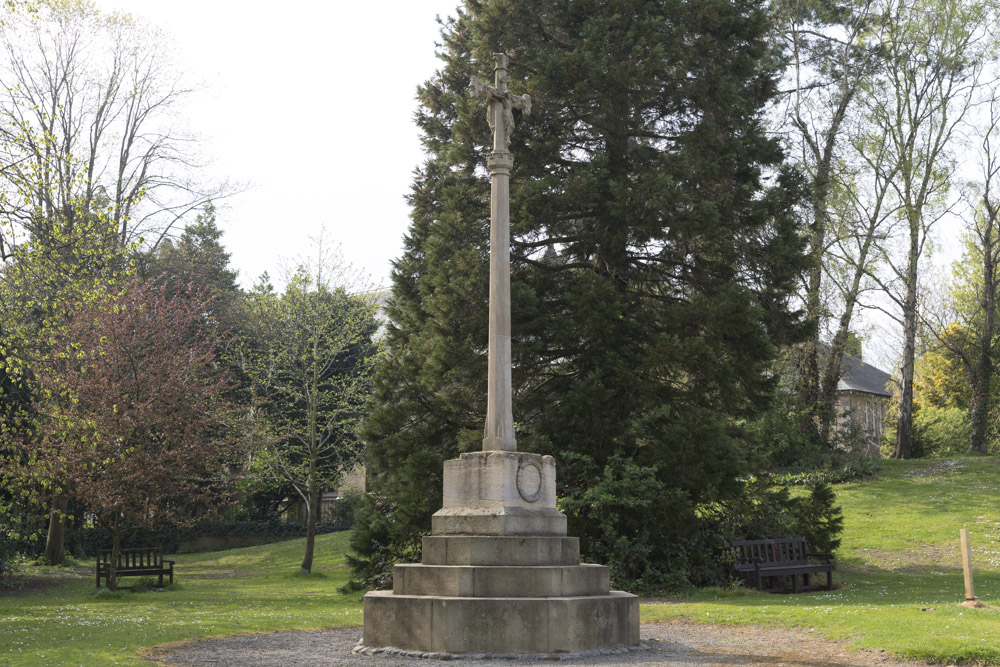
(311,520)
(981,375)
(978,416)
(809,373)
(834,363)
(115,550)
(904,423)
(55,541)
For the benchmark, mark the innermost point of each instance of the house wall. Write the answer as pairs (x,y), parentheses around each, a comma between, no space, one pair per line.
(865,411)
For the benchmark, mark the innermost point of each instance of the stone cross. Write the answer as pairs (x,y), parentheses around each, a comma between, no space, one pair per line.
(499,433)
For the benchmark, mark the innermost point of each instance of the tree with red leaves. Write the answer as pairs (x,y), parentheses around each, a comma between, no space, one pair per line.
(133,417)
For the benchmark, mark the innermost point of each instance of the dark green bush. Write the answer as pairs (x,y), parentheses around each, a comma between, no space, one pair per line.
(818,518)
(379,539)
(619,521)
(776,439)
(768,511)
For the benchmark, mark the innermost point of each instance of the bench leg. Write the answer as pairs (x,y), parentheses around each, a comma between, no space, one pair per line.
(160,585)
(795,583)
(829,579)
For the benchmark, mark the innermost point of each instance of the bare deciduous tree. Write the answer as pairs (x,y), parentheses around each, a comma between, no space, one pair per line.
(87,126)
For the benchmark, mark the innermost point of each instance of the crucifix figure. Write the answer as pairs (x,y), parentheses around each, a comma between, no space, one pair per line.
(499,433)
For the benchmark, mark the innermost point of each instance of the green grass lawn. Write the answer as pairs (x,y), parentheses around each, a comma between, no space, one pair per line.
(899,555)
(256,589)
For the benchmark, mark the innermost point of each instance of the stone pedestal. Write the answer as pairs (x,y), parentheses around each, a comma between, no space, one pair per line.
(499,574)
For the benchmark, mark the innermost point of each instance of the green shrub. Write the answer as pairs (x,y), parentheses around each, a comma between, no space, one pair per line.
(818,518)
(624,521)
(381,537)
(86,541)
(8,561)
(940,431)
(765,511)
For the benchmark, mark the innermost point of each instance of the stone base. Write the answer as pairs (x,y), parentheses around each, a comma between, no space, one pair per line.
(496,550)
(505,521)
(499,575)
(501,625)
(500,581)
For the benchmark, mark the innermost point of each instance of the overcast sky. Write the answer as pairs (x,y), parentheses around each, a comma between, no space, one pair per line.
(311,105)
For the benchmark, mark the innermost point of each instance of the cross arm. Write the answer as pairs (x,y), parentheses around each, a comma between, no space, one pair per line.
(522,102)
(479,89)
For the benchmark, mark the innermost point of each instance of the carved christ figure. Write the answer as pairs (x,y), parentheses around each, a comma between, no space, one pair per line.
(502,102)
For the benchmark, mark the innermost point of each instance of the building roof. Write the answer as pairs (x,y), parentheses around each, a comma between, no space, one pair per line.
(856,375)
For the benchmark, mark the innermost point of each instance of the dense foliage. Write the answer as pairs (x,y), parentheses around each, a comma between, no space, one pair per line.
(132,421)
(653,249)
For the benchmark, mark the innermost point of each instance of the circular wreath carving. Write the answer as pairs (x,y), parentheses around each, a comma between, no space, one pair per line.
(529,484)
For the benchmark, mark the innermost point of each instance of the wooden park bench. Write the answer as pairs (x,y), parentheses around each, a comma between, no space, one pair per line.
(758,561)
(134,563)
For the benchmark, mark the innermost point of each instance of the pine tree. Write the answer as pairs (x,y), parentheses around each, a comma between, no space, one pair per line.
(652,251)
(198,256)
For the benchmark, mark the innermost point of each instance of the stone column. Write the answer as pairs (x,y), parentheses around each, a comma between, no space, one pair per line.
(499,431)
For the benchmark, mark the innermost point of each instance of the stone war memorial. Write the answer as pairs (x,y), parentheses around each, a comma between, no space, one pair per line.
(499,574)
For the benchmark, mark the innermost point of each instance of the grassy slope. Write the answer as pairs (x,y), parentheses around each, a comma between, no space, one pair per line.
(900,554)
(257,589)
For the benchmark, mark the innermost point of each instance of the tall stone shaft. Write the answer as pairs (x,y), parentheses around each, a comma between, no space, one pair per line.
(499,431)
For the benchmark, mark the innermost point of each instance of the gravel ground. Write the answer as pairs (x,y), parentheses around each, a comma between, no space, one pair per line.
(670,644)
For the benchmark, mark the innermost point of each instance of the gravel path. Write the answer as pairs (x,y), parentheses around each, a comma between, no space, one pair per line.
(675,644)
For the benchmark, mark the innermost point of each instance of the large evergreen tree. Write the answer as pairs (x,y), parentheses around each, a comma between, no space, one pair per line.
(653,249)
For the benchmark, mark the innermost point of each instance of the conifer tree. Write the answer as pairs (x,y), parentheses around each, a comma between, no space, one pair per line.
(652,249)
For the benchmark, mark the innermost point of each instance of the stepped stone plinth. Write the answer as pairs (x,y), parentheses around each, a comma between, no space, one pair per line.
(498,573)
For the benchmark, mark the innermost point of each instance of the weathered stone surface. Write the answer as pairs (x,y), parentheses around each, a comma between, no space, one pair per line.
(499,493)
(396,621)
(503,581)
(503,625)
(496,550)
(496,479)
(604,623)
(504,521)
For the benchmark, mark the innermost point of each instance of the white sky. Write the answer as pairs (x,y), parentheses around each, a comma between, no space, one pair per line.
(311,103)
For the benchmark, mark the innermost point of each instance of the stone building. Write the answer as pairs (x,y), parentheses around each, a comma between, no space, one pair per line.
(863,395)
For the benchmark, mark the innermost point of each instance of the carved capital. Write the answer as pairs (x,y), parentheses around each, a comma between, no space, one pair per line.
(500,162)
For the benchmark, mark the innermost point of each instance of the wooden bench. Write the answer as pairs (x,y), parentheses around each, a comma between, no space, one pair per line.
(134,563)
(758,561)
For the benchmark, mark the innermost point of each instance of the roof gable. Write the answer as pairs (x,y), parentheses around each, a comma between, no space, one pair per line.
(856,375)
